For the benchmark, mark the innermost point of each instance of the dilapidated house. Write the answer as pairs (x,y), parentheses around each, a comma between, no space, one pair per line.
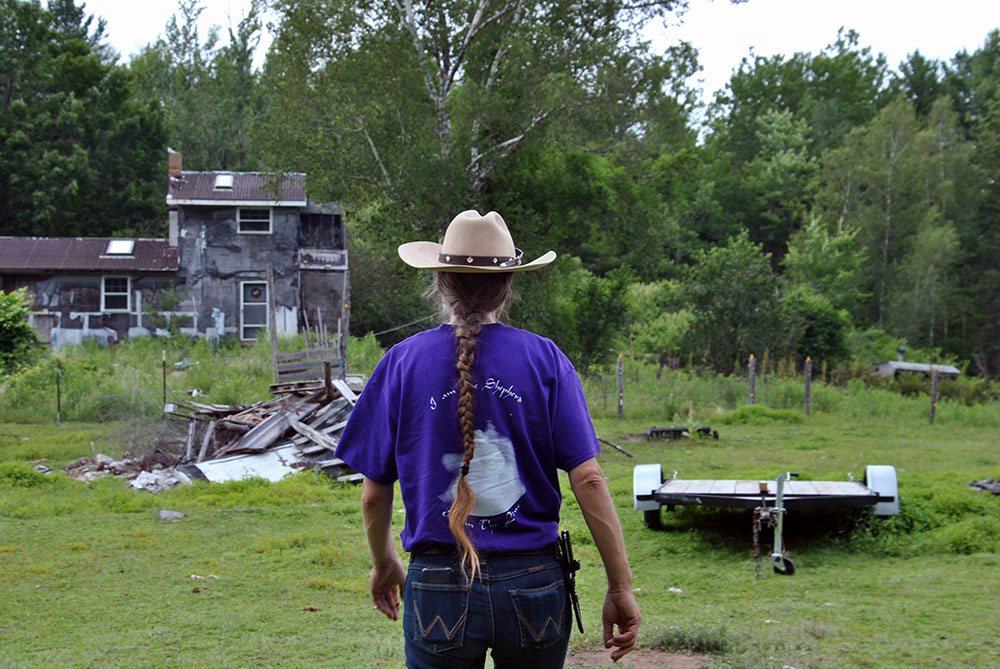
(85,287)
(209,278)
(229,226)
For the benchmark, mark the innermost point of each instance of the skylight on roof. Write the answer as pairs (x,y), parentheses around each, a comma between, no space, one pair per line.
(223,182)
(120,247)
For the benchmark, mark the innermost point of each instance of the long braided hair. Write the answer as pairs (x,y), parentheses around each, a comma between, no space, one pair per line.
(468,299)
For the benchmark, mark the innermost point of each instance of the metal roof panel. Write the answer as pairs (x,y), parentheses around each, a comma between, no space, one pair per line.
(87,254)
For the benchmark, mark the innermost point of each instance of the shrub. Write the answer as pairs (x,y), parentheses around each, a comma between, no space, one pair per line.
(20,475)
(17,337)
(760,415)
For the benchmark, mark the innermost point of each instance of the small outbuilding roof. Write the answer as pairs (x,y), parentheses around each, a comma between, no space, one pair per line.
(86,254)
(221,188)
(893,367)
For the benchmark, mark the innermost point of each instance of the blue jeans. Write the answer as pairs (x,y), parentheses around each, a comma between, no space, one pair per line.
(517,607)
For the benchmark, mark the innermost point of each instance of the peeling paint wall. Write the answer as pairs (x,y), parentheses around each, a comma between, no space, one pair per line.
(66,308)
(216,259)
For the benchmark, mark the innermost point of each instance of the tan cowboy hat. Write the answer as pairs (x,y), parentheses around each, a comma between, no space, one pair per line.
(472,243)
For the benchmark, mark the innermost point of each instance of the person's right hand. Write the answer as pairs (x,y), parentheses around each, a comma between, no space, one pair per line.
(385,583)
(620,609)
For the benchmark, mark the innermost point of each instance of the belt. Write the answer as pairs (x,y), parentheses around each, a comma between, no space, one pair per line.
(441,549)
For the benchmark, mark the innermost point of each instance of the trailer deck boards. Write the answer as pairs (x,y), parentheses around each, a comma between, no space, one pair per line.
(750,494)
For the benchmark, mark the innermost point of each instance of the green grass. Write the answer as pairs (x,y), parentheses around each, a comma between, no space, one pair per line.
(90,578)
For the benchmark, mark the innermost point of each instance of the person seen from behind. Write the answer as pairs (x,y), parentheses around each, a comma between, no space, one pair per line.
(474,418)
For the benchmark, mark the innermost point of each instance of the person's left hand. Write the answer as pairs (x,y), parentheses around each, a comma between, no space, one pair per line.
(385,583)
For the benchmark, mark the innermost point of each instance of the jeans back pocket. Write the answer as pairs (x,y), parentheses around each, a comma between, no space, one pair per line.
(440,611)
(541,613)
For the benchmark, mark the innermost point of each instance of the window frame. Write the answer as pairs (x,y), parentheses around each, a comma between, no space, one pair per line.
(243,303)
(239,220)
(105,293)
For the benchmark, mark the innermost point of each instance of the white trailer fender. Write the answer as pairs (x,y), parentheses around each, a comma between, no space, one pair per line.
(881,479)
(646,479)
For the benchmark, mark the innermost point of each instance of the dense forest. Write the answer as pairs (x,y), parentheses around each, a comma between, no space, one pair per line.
(819,204)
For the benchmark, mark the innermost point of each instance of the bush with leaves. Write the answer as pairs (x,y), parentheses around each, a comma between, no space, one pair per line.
(658,326)
(17,337)
(733,294)
(815,327)
(583,313)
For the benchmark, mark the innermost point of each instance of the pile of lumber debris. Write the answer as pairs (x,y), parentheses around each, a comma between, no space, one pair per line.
(297,429)
(987,485)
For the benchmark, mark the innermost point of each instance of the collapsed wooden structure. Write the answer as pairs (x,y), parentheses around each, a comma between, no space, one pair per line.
(298,429)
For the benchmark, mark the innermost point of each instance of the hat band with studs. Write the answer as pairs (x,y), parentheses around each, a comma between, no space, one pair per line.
(482,261)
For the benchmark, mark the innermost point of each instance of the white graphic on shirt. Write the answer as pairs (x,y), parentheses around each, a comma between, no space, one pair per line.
(495,387)
(492,474)
(434,404)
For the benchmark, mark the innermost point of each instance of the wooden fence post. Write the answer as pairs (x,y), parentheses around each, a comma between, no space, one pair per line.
(934,393)
(271,325)
(809,376)
(752,380)
(621,387)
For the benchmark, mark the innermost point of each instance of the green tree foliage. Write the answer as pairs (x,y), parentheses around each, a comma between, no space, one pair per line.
(827,263)
(657,327)
(17,337)
(891,180)
(423,104)
(209,92)
(973,81)
(814,327)
(581,312)
(839,88)
(80,155)
(922,300)
(780,181)
(768,128)
(979,270)
(921,81)
(733,294)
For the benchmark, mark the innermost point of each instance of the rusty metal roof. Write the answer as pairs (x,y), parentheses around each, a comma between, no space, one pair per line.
(220,187)
(89,254)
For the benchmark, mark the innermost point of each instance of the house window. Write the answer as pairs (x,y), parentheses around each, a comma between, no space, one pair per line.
(115,291)
(253,309)
(254,221)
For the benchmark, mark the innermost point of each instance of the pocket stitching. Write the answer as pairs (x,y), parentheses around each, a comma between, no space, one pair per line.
(526,626)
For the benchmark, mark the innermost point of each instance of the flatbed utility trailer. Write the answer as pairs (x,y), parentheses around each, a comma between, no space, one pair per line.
(768,499)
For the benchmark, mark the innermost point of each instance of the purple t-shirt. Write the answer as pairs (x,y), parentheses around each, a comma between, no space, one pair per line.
(530,416)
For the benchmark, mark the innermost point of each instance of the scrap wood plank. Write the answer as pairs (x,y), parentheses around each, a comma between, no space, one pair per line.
(211,408)
(345,391)
(234,424)
(334,428)
(614,445)
(262,436)
(328,412)
(328,353)
(209,433)
(294,387)
(332,462)
(315,435)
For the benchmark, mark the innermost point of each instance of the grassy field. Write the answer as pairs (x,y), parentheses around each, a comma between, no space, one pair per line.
(260,574)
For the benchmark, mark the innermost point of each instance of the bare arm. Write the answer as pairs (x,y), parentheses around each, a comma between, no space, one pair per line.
(591,491)
(388,574)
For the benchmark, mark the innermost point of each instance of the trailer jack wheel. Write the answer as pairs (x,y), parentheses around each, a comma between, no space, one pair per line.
(784,566)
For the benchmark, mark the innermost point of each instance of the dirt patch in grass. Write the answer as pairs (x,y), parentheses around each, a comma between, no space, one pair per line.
(584,658)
